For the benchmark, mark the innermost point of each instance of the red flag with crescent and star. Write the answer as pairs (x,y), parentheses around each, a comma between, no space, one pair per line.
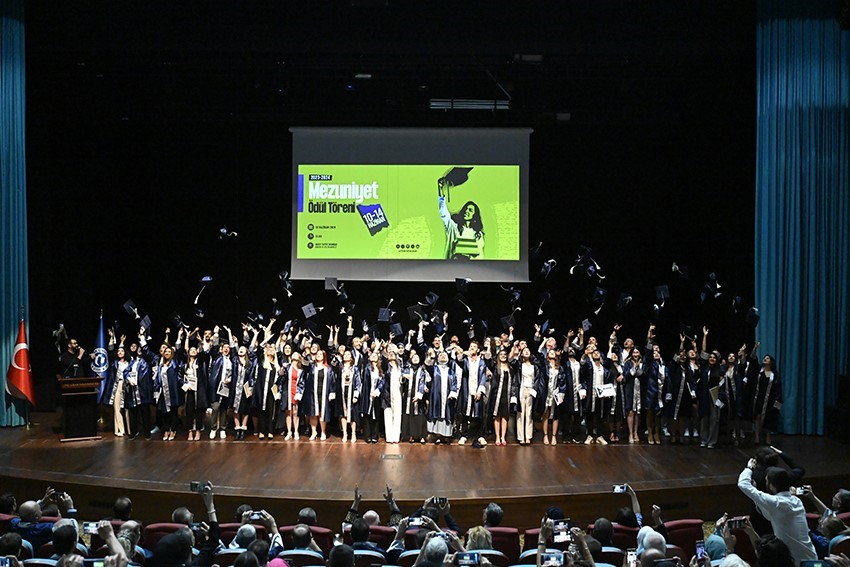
(19,376)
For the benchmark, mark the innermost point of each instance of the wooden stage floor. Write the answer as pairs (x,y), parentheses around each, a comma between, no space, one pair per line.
(284,475)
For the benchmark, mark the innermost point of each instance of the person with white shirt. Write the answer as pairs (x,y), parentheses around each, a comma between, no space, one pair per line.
(786,512)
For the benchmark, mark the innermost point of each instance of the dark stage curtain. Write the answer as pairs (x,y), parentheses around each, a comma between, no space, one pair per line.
(802,225)
(14,290)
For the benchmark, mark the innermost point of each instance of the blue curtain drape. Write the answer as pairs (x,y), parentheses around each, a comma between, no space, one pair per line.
(13,206)
(802,225)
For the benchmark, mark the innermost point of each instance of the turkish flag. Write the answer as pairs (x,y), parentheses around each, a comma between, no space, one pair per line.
(19,375)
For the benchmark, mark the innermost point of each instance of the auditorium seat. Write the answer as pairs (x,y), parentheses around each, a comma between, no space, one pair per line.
(506,540)
(496,557)
(410,538)
(137,559)
(624,537)
(46,551)
(152,533)
(676,551)
(408,558)
(812,520)
(302,558)
(383,536)
(227,557)
(840,547)
(323,537)
(529,556)
(844,517)
(228,531)
(613,555)
(365,558)
(529,539)
(685,533)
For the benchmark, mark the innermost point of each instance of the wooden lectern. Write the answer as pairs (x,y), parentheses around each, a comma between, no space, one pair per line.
(80,409)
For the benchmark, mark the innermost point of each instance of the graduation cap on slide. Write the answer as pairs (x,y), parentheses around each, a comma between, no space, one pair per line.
(131,309)
(456,176)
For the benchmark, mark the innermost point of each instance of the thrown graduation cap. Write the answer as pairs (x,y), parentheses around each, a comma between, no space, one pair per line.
(598,299)
(204,282)
(547,267)
(736,303)
(396,329)
(285,283)
(545,327)
(224,233)
(330,283)
(288,325)
(585,263)
(753,316)
(199,313)
(711,288)
(437,320)
(456,176)
(131,309)
(276,311)
(384,314)
(544,297)
(346,309)
(430,299)
(484,326)
(687,331)
(514,294)
(145,322)
(415,313)
(462,284)
(508,320)
(681,270)
(364,325)
(309,310)
(662,292)
(175,317)
(624,301)
(462,300)
(586,325)
(534,251)
(312,328)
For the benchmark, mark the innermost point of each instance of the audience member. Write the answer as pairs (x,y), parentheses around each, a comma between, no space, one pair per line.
(479,537)
(122,508)
(341,556)
(773,551)
(784,511)
(493,515)
(307,516)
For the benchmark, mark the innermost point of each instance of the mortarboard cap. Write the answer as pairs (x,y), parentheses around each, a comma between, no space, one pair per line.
(288,325)
(415,313)
(206,280)
(175,317)
(384,314)
(330,284)
(508,321)
(131,309)
(199,313)
(662,292)
(457,175)
(753,316)
(462,300)
(462,284)
(534,251)
(544,327)
(430,299)
(309,310)
(396,329)
(624,301)
(586,325)
(686,330)
(736,303)
(312,328)
(484,326)
(145,322)
(547,267)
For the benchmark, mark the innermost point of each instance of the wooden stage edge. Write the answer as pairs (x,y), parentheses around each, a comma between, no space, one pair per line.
(282,477)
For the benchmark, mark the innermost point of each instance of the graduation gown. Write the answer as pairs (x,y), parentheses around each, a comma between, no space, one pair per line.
(138,384)
(677,392)
(442,393)
(767,394)
(574,382)
(655,378)
(200,364)
(216,391)
(348,390)
(633,385)
(242,374)
(315,386)
(468,406)
(264,381)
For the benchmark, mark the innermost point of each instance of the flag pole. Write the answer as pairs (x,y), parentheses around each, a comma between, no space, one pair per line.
(26,402)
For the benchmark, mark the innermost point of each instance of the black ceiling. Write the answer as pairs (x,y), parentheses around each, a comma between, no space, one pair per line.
(599,61)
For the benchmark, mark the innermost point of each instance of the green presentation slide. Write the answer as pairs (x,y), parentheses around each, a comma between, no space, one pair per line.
(408,212)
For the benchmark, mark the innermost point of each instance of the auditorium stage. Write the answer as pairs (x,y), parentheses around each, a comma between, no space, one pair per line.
(283,476)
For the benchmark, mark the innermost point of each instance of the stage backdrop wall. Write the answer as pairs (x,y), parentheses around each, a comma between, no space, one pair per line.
(13,205)
(802,238)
